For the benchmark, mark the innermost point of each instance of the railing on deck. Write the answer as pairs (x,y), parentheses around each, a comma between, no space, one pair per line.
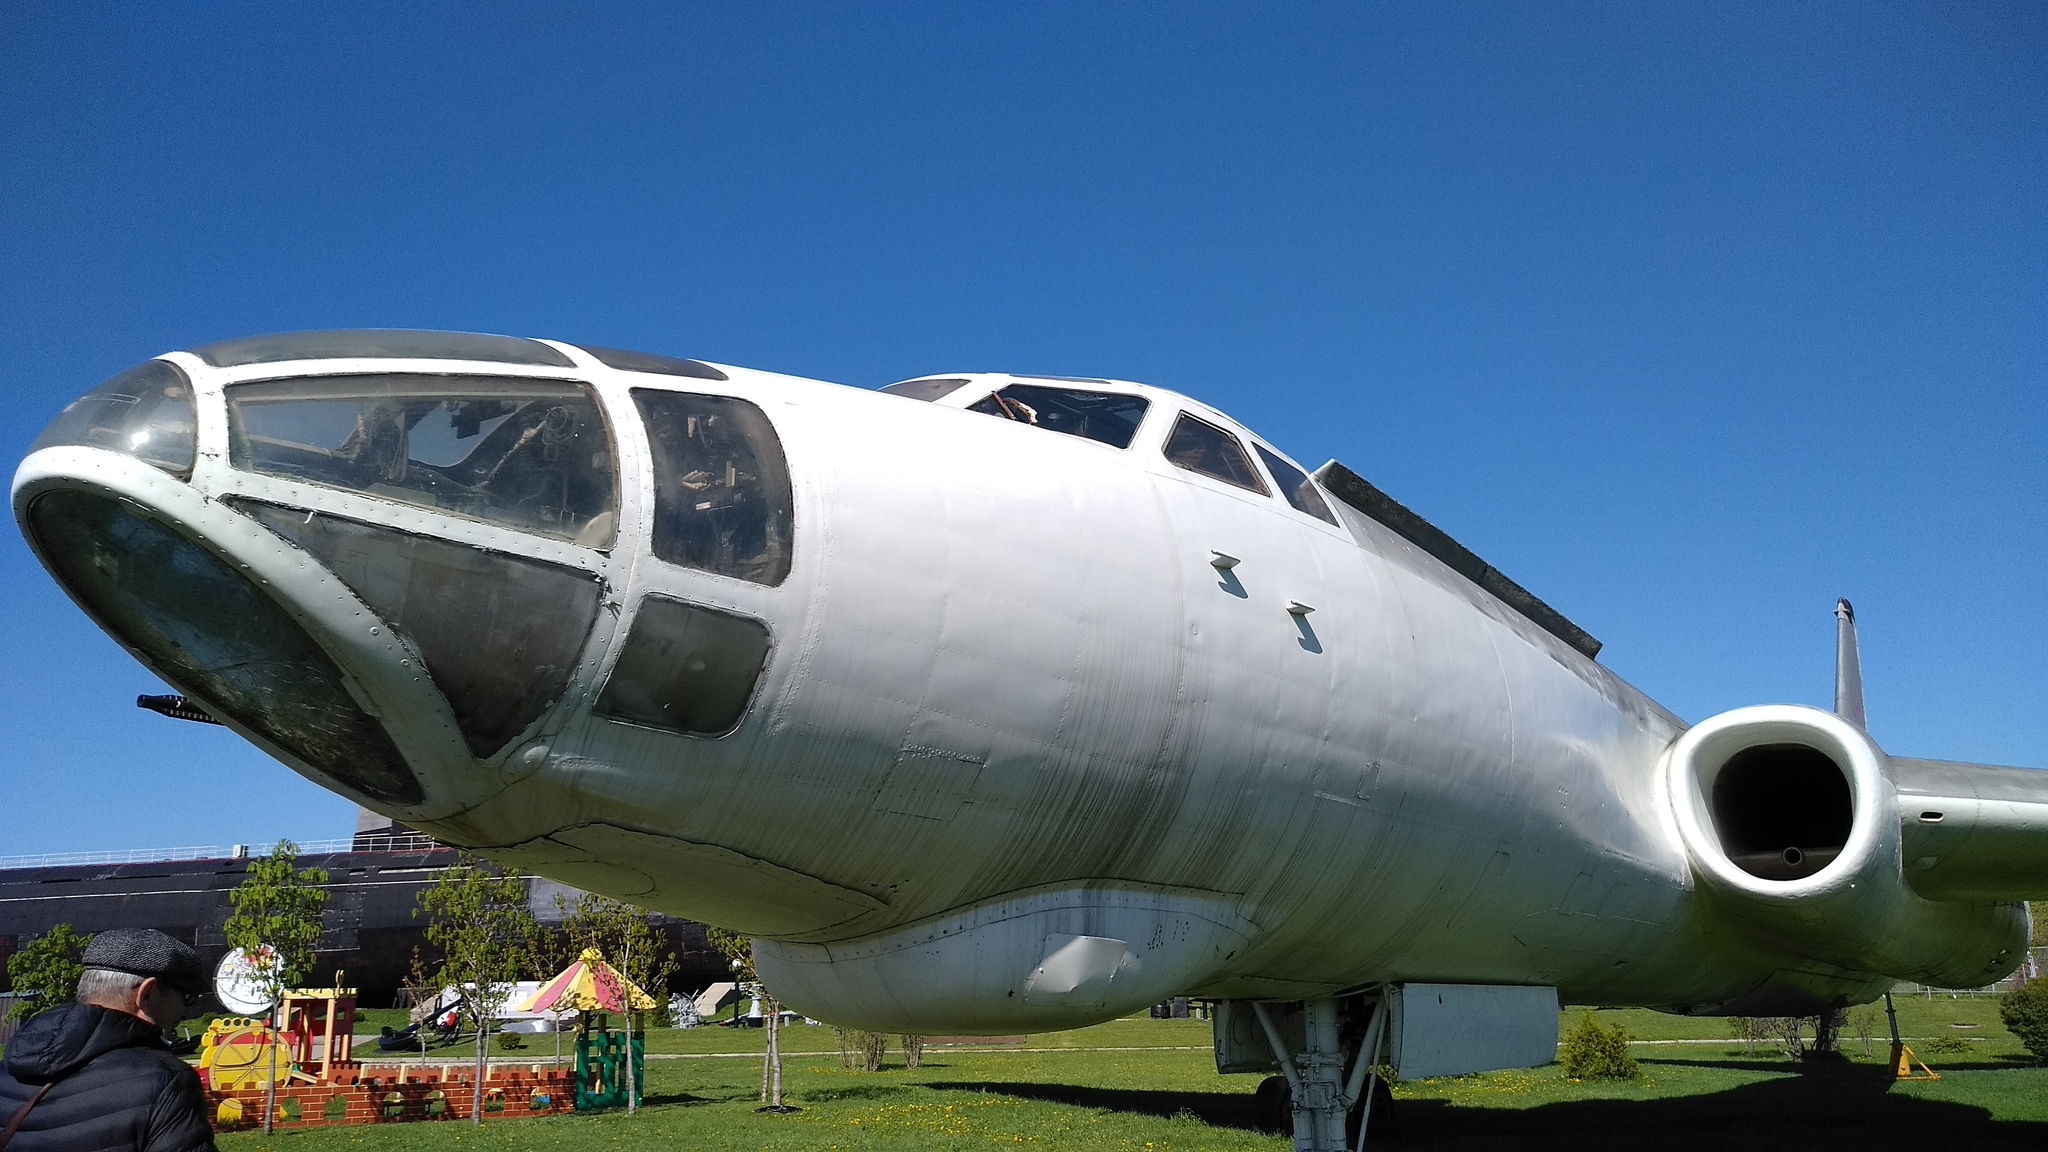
(403,842)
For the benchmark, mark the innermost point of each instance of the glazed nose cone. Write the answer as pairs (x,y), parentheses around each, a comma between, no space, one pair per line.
(214,633)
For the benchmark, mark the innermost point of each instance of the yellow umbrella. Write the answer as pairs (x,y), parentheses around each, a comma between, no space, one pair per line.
(588,985)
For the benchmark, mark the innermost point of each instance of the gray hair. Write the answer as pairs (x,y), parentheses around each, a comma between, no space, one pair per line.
(108,988)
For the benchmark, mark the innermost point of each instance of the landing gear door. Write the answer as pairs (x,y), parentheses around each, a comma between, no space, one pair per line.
(1459,1029)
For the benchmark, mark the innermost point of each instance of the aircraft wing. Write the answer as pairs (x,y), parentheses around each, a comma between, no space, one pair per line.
(1973,832)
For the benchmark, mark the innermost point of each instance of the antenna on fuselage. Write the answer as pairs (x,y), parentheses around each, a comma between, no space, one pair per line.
(1848,666)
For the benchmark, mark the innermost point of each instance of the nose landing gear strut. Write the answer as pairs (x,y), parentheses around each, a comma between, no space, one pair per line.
(1313,1092)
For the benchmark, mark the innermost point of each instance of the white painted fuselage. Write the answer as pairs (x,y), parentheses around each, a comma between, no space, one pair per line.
(1027,691)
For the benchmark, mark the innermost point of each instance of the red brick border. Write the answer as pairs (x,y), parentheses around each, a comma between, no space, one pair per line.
(509,1094)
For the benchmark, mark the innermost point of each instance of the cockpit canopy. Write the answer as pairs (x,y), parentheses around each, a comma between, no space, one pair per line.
(1110,412)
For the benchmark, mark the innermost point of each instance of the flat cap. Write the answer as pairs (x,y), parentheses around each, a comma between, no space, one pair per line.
(148,952)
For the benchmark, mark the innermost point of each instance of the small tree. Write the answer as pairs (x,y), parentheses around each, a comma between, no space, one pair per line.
(486,933)
(45,972)
(1827,1030)
(1591,1052)
(739,953)
(276,923)
(420,991)
(625,934)
(1864,1021)
(2025,1013)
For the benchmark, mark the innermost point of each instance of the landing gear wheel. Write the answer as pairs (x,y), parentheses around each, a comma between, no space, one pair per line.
(1382,1115)
(1273,1106)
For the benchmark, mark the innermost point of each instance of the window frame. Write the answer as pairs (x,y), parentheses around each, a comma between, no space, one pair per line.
(1260,447)
(652,511)
(1265,483)
(1137,430)
(623,638)
(236,446)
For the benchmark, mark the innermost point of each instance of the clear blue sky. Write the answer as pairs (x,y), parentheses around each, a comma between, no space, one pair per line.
(1690,318)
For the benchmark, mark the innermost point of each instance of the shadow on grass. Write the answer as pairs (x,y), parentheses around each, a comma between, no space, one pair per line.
(655,1099)
(2003,1063)
(1216,1109)
(1819,1106)
(854,1092)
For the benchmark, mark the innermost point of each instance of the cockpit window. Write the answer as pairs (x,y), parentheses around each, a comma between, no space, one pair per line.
(145,412)
(1109,417)
(1200,446)
(925,389)
(530,454)
(722,499)
(1295,486)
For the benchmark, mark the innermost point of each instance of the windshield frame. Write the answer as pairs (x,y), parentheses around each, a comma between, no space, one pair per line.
(423,384)
(1018,409)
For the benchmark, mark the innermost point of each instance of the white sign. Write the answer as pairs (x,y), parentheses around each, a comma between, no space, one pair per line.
(241,981)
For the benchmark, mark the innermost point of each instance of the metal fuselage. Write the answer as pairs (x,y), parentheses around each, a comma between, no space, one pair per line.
(1005,662)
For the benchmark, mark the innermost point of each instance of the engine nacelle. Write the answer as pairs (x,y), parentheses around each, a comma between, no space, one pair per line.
(1791,818)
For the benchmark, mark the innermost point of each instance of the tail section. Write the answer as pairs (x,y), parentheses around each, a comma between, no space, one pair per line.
(1848,666)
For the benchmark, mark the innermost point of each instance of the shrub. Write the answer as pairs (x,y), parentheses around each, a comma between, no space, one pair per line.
(510,1041)
(2025,1013)
(1946,1046)
(1749,1030)
(862,1051)
(1590,1052)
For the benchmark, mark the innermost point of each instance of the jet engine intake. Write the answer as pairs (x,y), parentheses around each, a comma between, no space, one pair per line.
(1790,817)
(1781,811)
(1790,809)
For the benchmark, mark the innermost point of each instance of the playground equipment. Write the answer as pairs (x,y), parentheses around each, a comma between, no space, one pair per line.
(239,1052)
(236,1053)
(319,1082)
(596,991)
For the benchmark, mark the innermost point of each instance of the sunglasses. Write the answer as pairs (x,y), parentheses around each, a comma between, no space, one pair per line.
(190,998)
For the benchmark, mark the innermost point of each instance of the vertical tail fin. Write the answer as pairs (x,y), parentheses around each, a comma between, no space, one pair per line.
(1848,666)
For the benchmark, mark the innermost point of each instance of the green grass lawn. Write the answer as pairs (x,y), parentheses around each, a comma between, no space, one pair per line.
(1151,1084)
(800,1038)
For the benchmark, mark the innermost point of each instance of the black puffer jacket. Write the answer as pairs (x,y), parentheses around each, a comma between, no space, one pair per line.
(117,1086)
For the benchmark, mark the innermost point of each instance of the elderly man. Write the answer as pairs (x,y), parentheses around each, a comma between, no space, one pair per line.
(96,1074)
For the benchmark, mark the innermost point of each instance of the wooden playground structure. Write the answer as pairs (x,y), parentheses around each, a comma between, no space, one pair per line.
(320,1083)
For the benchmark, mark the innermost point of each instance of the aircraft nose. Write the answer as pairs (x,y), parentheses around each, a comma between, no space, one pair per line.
(444,654)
